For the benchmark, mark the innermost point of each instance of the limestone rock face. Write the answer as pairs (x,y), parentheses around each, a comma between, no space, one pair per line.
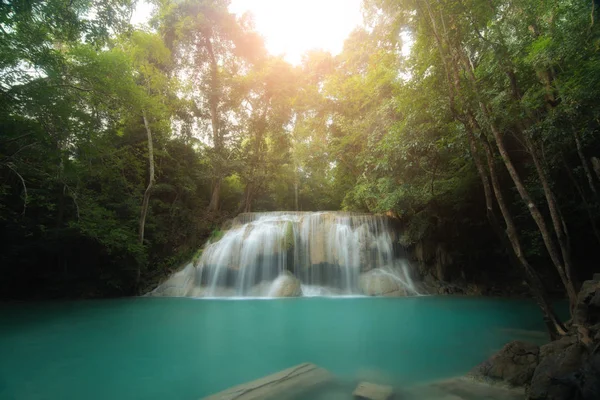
(513,366)
(378,283)
(286,285)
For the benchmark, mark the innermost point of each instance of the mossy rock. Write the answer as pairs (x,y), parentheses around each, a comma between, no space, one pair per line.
(216,235)
(288,236)
(196,257)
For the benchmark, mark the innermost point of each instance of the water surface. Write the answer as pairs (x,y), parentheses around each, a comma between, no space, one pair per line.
(184,349)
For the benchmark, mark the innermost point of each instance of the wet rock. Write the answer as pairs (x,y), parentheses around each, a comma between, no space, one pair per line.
(463,389)
(513,365)
(286,285)
(554,371)
(557,346)
(372,391)
(380,283)
(587,311)
(590,379)
(178,284)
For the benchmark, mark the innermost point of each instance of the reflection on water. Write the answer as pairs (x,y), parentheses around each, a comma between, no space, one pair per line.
(177,348)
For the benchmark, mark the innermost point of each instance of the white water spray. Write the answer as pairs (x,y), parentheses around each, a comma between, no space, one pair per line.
(298,253)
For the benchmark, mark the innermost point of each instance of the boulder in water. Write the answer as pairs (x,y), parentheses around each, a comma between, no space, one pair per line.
(513,366)
(286,285)
(381,283)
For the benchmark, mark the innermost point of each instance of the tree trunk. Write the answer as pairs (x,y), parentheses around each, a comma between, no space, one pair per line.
(296,195)
(510,237)
(557,222)
(514,249)
(215,199)
(584,162)
(583,199)
(146,200)
(246,204)
(564,273)
(213,101)
(536,286)
(249,199)
(596,166)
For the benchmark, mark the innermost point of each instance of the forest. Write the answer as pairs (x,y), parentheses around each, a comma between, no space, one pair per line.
(473,123)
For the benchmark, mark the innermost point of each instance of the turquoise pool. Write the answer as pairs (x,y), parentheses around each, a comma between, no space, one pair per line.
(184,349)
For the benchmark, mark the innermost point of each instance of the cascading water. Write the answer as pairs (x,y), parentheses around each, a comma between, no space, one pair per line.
(282,254)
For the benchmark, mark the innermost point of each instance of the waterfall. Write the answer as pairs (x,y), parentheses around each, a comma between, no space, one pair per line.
(281,254)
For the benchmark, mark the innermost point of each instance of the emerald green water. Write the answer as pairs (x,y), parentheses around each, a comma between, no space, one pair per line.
(183,349)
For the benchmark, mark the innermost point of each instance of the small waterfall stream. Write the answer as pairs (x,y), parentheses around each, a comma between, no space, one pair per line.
(285,254)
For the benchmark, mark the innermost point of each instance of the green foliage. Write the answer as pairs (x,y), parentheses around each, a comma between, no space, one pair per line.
(216,235)
(372,129)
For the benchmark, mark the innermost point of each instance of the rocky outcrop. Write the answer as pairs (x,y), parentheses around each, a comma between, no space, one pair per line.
(565,369)
(551,375)
(514,365)
(286,285)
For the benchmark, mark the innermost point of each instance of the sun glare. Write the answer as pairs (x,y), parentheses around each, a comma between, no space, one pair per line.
(292,27)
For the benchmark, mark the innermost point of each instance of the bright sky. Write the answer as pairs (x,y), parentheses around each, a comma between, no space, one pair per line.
(292,27)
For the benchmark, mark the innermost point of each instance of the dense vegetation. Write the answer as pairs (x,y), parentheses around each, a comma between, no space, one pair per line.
(473,122)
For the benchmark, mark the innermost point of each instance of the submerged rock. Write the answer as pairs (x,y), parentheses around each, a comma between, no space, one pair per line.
(463,389)
(282,385)
(514,365)
(372,391)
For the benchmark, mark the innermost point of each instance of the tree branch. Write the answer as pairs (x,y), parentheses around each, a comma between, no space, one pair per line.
(11,166)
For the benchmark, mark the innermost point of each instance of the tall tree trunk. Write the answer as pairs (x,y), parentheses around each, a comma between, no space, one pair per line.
(596,165)
(215,199)
(510,238)
(557,222)
(146,200)
(555,327)
(296,195)
(584,162)
(586,205)
(246,204)
(564,272)
(249,198)
(514,249)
